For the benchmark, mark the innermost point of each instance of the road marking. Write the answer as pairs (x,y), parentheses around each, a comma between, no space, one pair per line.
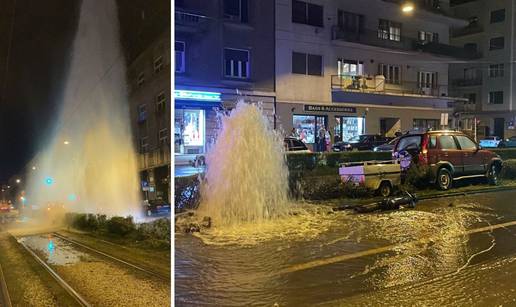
(374,251)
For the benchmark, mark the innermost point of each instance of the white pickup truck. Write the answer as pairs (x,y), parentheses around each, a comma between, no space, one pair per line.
(380,176)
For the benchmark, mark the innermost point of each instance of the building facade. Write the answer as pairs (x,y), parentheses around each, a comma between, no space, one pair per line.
(224,51)
(357,67)
(488,82)
(150,104)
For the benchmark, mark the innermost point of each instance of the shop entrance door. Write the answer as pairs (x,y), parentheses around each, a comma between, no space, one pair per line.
(348,127)
(499,127)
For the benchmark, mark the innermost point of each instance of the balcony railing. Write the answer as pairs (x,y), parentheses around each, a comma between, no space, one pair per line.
(380,86)
(189,22)
(467,82)
(380,38)
(471,29)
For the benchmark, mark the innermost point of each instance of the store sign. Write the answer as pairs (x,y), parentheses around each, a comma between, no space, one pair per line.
(196,95)
(317,108)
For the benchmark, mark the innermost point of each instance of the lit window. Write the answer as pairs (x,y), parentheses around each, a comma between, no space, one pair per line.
(236,63)
(350,67)
(389,30)
(158,64)
(163,136)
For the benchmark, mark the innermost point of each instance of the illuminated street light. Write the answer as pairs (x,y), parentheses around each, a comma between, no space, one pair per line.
(407,7)
(34,168)
(66,142)
(18,180)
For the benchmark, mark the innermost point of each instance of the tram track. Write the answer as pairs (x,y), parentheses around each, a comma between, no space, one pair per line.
(66,286)
(5,299)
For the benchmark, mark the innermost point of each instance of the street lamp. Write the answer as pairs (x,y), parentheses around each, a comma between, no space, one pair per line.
(66,142)
(18,180)
(34,168)
(407,7)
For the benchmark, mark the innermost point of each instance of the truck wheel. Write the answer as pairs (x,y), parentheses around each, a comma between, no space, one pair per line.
(492,174)
(444,179)
(385,189)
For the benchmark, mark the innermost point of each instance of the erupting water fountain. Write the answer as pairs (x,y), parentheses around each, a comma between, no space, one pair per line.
(89,164)
(247,177)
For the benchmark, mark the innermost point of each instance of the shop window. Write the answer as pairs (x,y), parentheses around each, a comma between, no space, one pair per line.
(161,103)
(305,127)
(144,144)
(497,43)
(350,68)
(158,64)
(348,127)
(497,16)
(236,10)
(236,63)
(180,57)
(307,13)
(142,113)
(425,124)
(193,127)
(496,97)
(306,64)
(141,79)
(392,73)
(496,71)
(389,30)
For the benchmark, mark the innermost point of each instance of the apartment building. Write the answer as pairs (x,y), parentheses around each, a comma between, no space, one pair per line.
(364,66)
(150,104)
(224,51)
(488,82)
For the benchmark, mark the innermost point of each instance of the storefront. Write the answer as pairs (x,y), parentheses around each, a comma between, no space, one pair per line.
(194,115)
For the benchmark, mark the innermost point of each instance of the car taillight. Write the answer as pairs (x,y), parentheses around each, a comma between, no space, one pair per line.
(423,157)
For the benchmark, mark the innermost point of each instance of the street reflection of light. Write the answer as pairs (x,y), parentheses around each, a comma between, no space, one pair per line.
(50,246)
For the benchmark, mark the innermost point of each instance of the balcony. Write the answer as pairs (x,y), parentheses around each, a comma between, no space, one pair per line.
(190,23)
(471,29)
(467,82)
(378,85)
(379,38)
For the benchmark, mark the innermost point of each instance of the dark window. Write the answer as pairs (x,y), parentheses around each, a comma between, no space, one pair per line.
(432,144)
(298,63)
(307,13)
(236,10)
(392,73)
(306,64)
(180,57)
(472,98)
(350,22)
(447,142)
(236,63)
(471,47)
(496,70)
(496,43)
(498,16)
(315,65)
(496,97)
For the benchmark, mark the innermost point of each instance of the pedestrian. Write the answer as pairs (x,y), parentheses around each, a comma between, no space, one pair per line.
(321,139)
(294,133)
(328,141)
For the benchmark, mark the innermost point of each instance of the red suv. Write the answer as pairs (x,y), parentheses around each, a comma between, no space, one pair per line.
(451,155)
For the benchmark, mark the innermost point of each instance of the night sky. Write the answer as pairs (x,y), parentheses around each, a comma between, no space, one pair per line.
(42,36)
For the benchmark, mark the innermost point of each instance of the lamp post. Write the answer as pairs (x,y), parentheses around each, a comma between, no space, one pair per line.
(407,7)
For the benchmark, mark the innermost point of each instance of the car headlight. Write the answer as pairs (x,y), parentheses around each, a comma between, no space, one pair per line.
(375,149)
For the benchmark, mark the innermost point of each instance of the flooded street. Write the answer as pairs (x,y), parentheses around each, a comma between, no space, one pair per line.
(452,250)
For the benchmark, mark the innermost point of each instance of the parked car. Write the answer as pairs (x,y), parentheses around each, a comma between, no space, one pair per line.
(510,142)
(492,142)
(389,146)
(361,142)
(451,155)
(156,207)
(293,145)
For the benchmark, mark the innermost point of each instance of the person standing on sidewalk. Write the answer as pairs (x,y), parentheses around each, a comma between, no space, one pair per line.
(321,142)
